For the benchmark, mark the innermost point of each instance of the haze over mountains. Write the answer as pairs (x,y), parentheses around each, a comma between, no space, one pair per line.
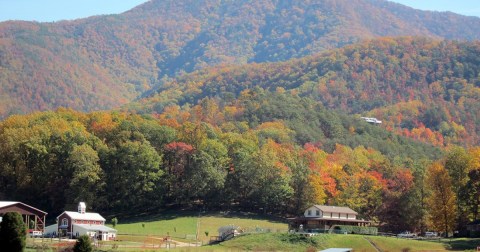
(106,61)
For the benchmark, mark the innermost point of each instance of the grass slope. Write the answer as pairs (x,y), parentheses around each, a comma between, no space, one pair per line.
(184,225)
(395,244)
(287,242)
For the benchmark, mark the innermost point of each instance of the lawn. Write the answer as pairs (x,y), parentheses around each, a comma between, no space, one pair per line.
(177,227)
(185,227)
(142,234)
(393,244)
(286,242)
(461,243)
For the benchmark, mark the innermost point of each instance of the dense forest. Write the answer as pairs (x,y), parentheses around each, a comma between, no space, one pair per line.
(246,105)
(106,61)
(424,89)
(245,154)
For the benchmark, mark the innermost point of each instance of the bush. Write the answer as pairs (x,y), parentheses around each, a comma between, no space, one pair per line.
(356,230)
(83,244)
(13,232)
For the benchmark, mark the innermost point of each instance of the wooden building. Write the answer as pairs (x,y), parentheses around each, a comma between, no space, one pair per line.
(30,214)
(320,217)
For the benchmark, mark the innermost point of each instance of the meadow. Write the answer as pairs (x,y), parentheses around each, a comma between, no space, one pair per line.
(262,234)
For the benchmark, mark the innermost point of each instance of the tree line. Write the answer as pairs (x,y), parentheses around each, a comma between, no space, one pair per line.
(218,155)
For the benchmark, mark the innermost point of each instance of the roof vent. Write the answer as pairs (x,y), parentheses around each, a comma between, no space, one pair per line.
(82,207)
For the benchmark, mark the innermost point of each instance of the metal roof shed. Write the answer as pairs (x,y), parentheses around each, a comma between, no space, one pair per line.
(337,250)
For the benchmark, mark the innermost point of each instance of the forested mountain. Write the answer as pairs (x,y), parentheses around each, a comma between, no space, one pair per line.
(246,154)
(209,155)
(104,61)
(421,88)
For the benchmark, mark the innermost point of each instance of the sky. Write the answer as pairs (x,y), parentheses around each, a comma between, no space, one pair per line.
(55,10)
(464,7)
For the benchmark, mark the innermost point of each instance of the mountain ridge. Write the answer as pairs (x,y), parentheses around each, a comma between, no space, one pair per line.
(106,61)
(421,88)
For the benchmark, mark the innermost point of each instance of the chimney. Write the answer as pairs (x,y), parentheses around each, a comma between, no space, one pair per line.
(82,207)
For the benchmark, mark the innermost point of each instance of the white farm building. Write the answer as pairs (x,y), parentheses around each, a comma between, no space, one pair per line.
(75,224)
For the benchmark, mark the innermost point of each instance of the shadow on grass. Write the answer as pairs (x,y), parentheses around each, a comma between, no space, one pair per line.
(461,243)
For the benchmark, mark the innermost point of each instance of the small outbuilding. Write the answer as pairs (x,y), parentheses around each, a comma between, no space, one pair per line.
(30,214)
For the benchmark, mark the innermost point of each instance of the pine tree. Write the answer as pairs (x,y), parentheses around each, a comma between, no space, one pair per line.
(83,244)
(12,232)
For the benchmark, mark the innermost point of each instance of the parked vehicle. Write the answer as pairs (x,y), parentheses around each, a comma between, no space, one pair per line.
(431,234)
(407,234)
(35,233)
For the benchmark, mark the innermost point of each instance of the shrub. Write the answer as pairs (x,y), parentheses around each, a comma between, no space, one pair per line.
(83,244)
(356,230)
(13,232)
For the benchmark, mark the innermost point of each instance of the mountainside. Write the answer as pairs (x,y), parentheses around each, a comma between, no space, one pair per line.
(425,89)
(105,61)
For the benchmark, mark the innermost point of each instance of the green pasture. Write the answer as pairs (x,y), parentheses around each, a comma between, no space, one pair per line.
(286,242)
(393,244)
(147,234)
(186,227)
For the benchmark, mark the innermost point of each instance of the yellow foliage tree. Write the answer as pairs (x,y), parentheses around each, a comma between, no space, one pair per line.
(442,200)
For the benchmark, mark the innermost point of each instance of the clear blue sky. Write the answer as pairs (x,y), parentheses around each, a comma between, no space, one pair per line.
(464,7)
(54,10)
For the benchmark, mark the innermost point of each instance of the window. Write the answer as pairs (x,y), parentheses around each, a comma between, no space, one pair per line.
(318,213)
(64,222)
(309,212)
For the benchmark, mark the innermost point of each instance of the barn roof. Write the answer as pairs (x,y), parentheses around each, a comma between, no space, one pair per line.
(96,228)
(6,206)
(84,216)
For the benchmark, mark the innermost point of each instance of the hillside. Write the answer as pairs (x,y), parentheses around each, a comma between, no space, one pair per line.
(125,163)
(425,89)
(105,61)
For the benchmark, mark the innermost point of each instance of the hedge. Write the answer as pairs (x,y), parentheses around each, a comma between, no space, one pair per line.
(355,230)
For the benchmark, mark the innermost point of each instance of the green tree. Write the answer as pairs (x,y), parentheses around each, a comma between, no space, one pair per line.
(206,175)
(86,180)
(132,171)
(114,222)
(457,164)
(83,244)
(470,194)
(12,232)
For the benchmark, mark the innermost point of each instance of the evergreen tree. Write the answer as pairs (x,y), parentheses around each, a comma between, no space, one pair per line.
(12,232)
(83,244)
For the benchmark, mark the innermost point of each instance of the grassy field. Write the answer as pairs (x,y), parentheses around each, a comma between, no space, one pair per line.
(147,233)
(286,242)
(395,244)
(185,227)
(292,242)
